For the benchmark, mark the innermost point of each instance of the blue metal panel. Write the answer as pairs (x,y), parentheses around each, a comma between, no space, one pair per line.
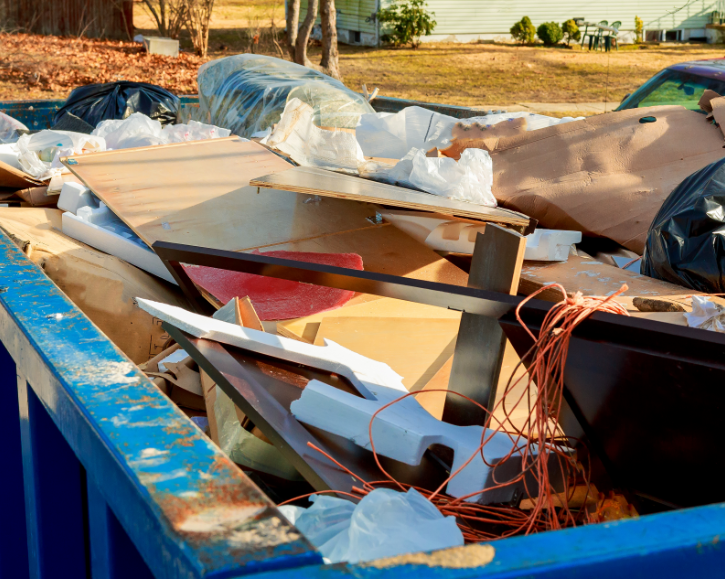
(113,554)
(54,501)
(184,504)
(34,114)
(13,553)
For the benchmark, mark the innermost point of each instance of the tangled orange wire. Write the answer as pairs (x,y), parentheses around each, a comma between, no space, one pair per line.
(535,441)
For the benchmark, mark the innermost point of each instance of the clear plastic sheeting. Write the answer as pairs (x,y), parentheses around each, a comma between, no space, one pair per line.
(9,128)
(706,315)
(469,179)
(247,93)
(385,523)
(39,154)
(391,136)
(297,136)
(138,130)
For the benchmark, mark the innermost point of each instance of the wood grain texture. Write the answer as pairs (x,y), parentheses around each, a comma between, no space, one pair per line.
(594,278)
(313,181)
(415,348)
(385,249)
(198,193)
(363,306)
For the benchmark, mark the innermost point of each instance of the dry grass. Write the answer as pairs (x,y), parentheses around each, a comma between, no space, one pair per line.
(461,74)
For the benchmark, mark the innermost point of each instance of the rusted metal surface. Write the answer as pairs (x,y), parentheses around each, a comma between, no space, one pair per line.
(190,511)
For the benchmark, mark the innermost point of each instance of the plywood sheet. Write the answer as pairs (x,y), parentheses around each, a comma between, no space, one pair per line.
(198,193)
(415,348)
(363,306)
(314,181)
(385,249)
(593,278)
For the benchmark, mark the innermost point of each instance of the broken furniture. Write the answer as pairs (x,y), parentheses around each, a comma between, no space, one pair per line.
(637,391)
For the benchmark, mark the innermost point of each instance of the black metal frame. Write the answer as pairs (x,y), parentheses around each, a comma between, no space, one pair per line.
(643,394)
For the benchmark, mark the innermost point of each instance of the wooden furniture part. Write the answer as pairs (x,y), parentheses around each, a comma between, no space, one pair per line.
(198,193)
(314,181)
(496,265)
(415,348)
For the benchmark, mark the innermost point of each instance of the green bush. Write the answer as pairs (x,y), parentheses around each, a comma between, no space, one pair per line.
(550,33)
(407,22)
(524,31)
(638,29)
(571,31)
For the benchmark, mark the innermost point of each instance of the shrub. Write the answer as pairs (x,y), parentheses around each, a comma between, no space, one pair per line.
(571,31)
(524,31)
(408,21)
(638,29)
(550,33)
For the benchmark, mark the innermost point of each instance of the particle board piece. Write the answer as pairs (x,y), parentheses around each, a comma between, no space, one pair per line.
(435,402)
(363,306)
(246,315)
(594,278)
(415,348)
(314,181)
(385,249)
(198,193)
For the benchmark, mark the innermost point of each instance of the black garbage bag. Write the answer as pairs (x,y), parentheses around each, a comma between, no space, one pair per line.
(117,100)
(686,241)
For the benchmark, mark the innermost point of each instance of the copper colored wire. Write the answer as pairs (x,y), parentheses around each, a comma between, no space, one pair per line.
(534,443)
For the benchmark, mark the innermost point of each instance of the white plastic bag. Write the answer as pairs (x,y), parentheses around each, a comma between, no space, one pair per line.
(384,523)
(706,315)
(468,179)
(39,154)
(308,145)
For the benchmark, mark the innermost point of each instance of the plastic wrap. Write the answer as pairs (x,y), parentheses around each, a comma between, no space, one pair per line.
(686,241)
(384,523)
(247,93)
(10,128)
(391,136)
(468,179)
(118,100)
(138,130)
(39,153)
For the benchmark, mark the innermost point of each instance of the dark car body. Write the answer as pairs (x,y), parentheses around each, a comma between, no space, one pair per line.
(679,84)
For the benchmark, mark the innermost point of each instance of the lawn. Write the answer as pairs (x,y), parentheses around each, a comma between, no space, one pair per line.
(461,74)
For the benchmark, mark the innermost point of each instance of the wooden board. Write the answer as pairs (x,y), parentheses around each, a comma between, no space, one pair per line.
(415,348)
(385,249)
(594,278)
(197,193)
(363,306)
(314,181)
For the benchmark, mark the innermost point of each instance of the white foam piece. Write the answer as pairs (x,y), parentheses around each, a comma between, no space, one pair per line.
(100,228)
(73,196)
(550,244)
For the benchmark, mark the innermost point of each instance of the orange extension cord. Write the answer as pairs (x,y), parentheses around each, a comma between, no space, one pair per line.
(534,443)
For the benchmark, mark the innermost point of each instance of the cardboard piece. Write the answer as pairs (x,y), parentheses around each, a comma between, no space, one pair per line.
(606,175)
(718,112)
(477,136)
(102,286)
(13,178)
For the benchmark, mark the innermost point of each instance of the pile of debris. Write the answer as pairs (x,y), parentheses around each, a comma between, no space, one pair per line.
(342,299)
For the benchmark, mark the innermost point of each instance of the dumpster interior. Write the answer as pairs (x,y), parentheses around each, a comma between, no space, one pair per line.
(411,331)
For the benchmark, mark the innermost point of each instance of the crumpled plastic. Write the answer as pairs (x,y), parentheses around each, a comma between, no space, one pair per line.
(385,523)
(297,136)
(9,128)
(706,315)
(118,100)
(138,130)
(686,240)
(247,93)
(39,154)
(468,179)
(391,136)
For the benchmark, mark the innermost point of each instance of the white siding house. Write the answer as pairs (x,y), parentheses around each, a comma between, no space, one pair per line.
(468,20)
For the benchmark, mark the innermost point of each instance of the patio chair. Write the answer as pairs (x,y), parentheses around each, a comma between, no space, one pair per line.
(611,37)
(596,40)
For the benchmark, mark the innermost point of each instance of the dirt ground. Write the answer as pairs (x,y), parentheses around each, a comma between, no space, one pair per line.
(462,74)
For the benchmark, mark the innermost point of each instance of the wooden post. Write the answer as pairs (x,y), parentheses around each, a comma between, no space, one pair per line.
(496,265)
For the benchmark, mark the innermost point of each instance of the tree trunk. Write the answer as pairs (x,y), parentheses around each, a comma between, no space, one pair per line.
(303,37)
(293,23)
(330,55)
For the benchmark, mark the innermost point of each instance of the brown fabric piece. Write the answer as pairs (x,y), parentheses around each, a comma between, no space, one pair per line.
(706,98)
(606,175)
(102,286)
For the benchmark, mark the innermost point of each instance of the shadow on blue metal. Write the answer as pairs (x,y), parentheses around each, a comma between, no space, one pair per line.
(96,433)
